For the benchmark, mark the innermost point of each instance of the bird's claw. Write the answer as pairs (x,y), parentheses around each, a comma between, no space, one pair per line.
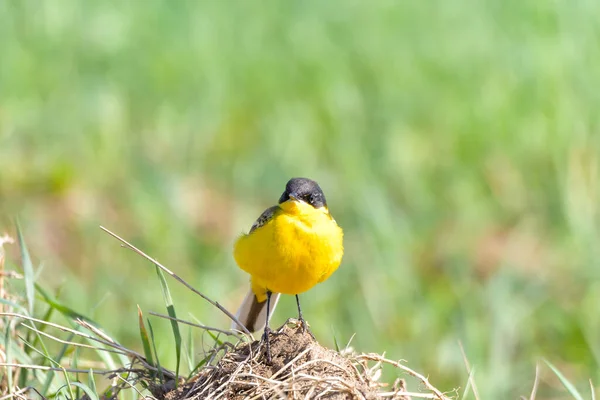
(304,328)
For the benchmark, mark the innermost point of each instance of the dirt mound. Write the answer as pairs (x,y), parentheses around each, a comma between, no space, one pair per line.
(300,368)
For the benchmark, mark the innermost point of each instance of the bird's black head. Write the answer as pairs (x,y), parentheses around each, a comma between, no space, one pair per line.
(306,190)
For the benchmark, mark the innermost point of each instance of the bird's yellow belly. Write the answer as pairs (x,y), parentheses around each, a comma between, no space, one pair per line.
(290,254)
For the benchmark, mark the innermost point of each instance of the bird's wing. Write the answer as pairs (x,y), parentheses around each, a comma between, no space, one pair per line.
(265,217)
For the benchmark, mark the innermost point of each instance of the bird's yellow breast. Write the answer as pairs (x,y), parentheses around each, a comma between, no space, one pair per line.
(297,248)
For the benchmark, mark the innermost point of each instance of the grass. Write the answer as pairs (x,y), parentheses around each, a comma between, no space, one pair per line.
(229,369)
(300,366)
(456,142)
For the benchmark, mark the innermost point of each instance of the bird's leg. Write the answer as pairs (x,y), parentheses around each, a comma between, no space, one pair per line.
(301,319)
(267,330)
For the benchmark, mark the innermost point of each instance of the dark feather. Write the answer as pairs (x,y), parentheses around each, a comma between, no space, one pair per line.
(265,217)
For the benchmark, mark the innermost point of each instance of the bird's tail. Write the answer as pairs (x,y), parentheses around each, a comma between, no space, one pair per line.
(252,313)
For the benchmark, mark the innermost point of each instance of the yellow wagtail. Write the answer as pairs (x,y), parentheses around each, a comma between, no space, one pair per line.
(290,248)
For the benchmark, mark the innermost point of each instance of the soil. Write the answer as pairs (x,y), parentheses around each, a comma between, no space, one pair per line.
(300,368)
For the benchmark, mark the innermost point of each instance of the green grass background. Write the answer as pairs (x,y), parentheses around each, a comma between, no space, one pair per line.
(457,143)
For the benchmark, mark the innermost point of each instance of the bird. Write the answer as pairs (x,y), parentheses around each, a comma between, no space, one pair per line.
(290,248)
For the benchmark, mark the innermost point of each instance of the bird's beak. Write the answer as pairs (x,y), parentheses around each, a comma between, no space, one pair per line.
(295,197)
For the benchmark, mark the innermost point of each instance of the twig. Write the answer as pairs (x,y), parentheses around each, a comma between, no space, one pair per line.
(110,342)
(75,332)
(289,364)
(107,341)
(125,381)
(88,346)
(11,274)
(208,328)
(177,278)
(46,368)
(228,381)
(425,381)
(97,331)
(261,394)
(536,381)
(469,370)
(410,394)
(17,393)
(338,382)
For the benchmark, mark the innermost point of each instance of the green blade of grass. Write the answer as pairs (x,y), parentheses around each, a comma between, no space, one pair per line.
(10,346)
(106,357)
(92,394)
(46,317)
(468,385)
(74,315)
(336,344)
(160,374)
(45,355)
(14,305)
(37,340)
(66,311)
(210,333)
(8,355)
(44,350)
(172,314)
(16,351)
(28,272)
(75,364)
(145,338)
(199,365)
(65,386)
(215,337)
(92,381)
(50,376)
(190,349)
(568,385)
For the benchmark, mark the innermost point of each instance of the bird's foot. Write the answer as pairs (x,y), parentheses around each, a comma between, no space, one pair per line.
(265,340)
(304,327)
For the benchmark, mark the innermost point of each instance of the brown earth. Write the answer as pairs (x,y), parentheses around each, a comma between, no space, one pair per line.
(300,368)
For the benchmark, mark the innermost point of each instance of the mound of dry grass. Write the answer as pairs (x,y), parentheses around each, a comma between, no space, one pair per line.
(300,369)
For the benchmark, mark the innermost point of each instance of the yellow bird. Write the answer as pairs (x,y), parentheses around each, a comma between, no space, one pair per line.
(290,248)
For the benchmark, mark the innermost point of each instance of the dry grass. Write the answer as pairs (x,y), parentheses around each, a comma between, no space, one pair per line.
(301,369)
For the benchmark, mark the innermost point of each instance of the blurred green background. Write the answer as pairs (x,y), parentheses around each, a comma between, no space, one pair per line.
(457,143)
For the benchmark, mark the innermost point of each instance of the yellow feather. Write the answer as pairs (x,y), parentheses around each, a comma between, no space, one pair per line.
(297,248)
